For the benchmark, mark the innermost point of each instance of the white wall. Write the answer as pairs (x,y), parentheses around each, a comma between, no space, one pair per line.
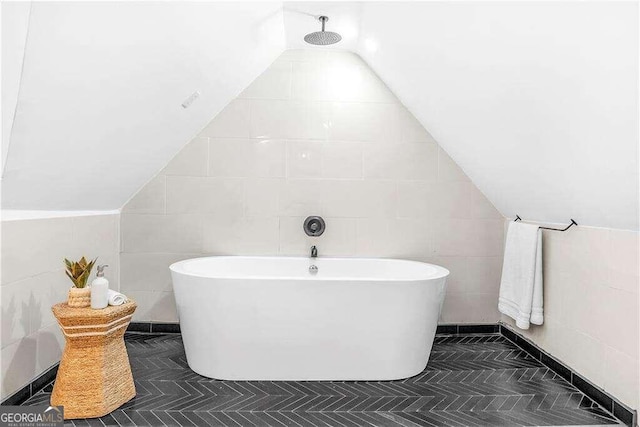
(100,110)
(536,101)
(591,304)
(316,134)
(33,280)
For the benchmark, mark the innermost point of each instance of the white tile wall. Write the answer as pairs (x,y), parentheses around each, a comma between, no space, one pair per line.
(591,302)
(232,157)
(317,134)
(33,280)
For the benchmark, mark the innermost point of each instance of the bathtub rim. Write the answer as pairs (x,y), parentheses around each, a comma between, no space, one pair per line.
(441,272)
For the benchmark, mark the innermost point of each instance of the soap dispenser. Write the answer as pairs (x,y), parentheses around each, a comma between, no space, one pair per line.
(100,289)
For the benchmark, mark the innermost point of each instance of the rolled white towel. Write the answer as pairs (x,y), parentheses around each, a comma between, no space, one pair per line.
(116,298)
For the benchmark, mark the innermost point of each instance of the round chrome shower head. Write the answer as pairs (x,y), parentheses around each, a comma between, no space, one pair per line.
(322,38)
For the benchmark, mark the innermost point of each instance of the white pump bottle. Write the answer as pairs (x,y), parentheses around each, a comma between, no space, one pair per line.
(100,289)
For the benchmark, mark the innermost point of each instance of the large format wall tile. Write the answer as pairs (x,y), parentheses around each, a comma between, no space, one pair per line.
(415,161)
(372,122)
(247,157)
(18,365)
(33,280)
(205,195)
(621,376)
(16,316)
(395,238)
(49,346)
(316,134)
(161,233)
(148,271)
(159,306)
(262,196)
(288,120)
(359,199)
(623,268)
(300,197)
(342,160)
(591,306)
(98,236)
(35,246)
(240,235)
(319,134)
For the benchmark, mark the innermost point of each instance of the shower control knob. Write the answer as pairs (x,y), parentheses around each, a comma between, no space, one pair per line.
(314,226)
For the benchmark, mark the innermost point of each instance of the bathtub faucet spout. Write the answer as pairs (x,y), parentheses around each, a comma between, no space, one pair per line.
(314,252)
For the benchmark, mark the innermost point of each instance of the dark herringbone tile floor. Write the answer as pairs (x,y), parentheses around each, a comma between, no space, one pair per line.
(471,380)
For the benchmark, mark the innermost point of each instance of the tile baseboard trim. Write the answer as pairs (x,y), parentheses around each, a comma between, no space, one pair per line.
(621,411)
(154,327)
(174,328)
(32,388)
(471,328)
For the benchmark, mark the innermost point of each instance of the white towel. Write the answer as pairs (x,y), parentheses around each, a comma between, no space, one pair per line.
(116,298)
(521,285)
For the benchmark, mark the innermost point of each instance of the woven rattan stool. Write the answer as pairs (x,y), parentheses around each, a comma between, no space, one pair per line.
(94,377)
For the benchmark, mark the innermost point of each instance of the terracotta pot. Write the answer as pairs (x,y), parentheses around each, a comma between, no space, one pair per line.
(79,297)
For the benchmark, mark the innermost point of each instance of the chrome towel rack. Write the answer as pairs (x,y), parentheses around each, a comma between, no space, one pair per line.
(573,222)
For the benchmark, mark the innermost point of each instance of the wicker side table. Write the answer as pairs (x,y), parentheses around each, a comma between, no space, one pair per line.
(94,377)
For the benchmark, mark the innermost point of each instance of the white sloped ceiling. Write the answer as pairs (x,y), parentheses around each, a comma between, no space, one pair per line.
(536,101)
(99,110)
(15,21)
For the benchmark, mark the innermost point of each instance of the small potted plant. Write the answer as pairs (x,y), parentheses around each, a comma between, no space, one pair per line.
(78,272)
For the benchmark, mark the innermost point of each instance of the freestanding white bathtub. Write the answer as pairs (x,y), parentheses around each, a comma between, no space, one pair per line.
(270,318)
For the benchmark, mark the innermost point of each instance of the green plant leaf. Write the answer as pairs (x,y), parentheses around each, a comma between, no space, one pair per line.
(79,271)
(71,277)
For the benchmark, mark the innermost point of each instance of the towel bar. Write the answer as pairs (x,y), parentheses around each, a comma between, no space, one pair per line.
(573,222)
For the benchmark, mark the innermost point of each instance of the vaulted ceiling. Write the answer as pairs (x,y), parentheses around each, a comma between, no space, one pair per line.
(99,108)
(536,101)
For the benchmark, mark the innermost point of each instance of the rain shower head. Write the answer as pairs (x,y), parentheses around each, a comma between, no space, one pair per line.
(323,38)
